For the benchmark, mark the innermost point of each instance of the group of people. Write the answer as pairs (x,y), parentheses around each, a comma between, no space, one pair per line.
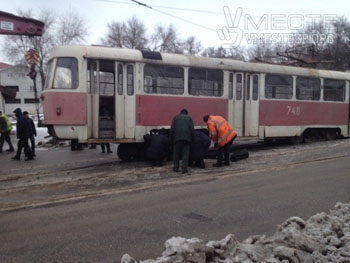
(190,145)
(25,132)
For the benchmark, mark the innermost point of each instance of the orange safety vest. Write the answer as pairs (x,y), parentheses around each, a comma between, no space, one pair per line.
(220,130)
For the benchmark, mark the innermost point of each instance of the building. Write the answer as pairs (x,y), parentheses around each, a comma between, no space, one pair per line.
(15,79)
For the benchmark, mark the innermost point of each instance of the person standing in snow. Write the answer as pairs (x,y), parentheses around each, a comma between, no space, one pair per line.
(5,130)
(32,131)
(23,130)
(181,136)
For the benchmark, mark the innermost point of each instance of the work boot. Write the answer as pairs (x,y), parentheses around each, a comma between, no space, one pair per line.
(15,158)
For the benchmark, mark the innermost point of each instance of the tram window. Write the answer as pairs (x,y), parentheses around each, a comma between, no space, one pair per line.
(66,74)
(205,82)
(130,80)
(120,79)
(106,84)
(230,87)
(255,87)
(278,86)
(334,90)
(308,88)
(48,74)
(239,85)
(247,93)
(163,79)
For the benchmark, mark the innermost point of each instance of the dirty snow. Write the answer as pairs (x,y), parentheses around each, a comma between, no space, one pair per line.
(323,238)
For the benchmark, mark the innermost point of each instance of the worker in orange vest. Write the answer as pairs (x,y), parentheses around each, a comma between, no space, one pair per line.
(222,134)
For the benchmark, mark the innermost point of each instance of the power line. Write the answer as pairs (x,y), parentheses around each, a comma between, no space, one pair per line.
(168,14)
(164,7)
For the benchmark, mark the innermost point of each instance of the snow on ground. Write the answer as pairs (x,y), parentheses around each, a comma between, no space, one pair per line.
(323,238)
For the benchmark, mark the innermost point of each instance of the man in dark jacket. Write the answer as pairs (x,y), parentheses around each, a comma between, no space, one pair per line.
(157,147)
(181,136)
(199,148)
(22,131)
(32,131)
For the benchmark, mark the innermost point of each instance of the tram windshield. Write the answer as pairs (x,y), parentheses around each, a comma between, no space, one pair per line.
(65,74)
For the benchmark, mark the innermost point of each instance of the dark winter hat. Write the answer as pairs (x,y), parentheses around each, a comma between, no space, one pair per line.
(25,112)
(17,111)
(206,118)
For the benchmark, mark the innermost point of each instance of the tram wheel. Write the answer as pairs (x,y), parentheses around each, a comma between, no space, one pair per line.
(331,134)
(297,140)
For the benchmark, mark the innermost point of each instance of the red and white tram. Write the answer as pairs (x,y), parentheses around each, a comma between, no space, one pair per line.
(100,94)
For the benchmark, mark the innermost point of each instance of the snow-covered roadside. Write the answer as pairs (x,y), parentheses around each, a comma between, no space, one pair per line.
(323,238)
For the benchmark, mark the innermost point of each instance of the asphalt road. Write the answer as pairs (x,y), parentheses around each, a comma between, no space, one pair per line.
(248,198)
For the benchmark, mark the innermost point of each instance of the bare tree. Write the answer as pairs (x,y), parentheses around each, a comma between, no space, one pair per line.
(191,46)
(131,34)
(15,47)
(115,35)
(165,39)
(220,52)
(337,49)
(135,34)
(319,45)
(70,29)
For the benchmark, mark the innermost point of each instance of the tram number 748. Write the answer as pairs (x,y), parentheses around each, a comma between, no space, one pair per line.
(293,110)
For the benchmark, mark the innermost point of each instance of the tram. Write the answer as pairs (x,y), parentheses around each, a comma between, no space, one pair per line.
(102,94)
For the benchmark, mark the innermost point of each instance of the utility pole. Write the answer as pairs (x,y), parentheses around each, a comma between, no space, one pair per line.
(32,57)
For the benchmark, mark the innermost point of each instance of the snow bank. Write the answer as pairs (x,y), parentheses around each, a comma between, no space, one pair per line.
(323,238)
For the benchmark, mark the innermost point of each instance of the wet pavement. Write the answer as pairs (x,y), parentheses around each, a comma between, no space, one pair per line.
(58,174)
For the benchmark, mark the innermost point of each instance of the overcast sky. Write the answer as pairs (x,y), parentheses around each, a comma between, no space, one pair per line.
(200,18)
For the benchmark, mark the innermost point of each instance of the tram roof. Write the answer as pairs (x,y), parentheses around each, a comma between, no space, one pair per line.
(123,54)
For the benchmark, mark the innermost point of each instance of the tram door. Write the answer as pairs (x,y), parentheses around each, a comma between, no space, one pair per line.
(251,105)
(125,101)
(102,85)
(244,103)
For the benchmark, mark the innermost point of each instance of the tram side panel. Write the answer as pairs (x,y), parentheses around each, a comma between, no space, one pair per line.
(281,118)
(67,112)
(153,111)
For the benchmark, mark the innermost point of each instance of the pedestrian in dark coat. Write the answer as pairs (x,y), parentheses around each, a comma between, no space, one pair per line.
(32,131)
(22,131)
(199,149)
(157,148)
(181,137)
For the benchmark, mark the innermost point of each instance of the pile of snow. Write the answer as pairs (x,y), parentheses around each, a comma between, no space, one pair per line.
(323,238)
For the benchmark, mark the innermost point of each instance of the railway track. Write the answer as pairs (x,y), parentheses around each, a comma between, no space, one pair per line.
(77,180)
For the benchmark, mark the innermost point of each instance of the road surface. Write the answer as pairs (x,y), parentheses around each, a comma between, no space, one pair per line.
(132,208)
